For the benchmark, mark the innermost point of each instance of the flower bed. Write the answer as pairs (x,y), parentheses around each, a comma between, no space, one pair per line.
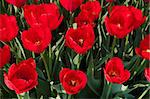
(74,49)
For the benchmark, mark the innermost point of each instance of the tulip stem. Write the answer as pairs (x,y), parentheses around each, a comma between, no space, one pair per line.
(19,96)
(140,67)
(24,95)
(33,55)
(79,61)
(51,1)
(50,59)
(113,45)
(21,48)
(100,15)
(69,96)
(46,67)
(109,89)
(102,1)
(71,19)
(143,94)
(3,4)
(126,42)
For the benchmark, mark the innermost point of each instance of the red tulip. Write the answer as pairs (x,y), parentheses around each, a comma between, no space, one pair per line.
(122,20)
(114,71)
(4,55)
(147,73)
(80,39)
(36,39)
(144,49)
(139,18)
(84,19)
(8,27)
(17,3)
(22,77)
(93,9)
(71,5)
(43,14)
(72,80)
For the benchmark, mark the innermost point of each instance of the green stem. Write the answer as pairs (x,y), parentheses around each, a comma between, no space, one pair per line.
(144,93)
(19,96)
(79,61)
(71,19)
(11,45)
(102,1)
(113,45)
(23,95)
(33,55)
(26,95)
(109,89)
(46,67)
(21,48)
(126,2)
(126,43)
(3,4)
(140,67)
(69,96)
(51,1)
(137,3)
(50,59)
(57,58)
(3,43)
(133,68)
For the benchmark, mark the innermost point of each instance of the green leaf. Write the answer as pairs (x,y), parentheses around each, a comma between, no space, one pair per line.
(102,60)
(43,88)
(40,73)
(116,88)
(76,59)
(93,84)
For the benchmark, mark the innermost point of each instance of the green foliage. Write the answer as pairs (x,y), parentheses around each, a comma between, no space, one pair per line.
(57,56)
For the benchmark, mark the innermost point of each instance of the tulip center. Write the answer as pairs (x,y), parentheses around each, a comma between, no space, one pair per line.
(94,13)
(73,83)
(113,74)
(80,42)
(22,76)
(119,25)
(85,22)
(38,42)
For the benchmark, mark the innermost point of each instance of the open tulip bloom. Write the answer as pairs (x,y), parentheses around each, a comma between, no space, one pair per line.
(43,14)
(72,80)
(144,48)
(74,49)
(122,20)
(114,71)
(36,39)
(21,77)
(80,39)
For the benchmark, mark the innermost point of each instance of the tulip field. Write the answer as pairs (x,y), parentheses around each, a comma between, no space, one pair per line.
(74,49)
